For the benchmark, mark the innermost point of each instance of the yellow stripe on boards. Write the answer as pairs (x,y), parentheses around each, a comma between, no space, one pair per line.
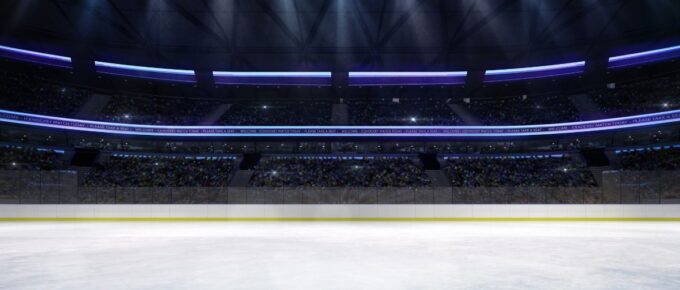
(331,219)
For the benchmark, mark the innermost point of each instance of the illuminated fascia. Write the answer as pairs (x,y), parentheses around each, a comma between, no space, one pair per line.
(342,131)
(135,71)
(644,57)
(34,56)
(534,72)
(393,78)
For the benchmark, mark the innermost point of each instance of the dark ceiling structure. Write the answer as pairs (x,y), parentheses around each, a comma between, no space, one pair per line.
(338,34)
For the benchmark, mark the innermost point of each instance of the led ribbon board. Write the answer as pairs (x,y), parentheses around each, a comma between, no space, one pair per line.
(273,78)
(644,57)
(165,74)
(534,72)
(35,57)
(341,131)
(406,78)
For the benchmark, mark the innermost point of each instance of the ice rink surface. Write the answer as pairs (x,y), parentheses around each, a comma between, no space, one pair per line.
(339,255)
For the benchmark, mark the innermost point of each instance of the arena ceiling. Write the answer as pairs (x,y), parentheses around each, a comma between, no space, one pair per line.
(338,34)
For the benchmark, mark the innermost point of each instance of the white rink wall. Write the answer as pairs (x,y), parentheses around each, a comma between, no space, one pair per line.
(404,211)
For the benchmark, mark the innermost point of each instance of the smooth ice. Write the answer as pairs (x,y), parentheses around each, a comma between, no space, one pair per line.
(340,255)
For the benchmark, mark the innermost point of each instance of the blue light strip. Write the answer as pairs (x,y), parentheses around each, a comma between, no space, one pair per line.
(406,78)
(535,68)
(342,131)
(272,78)
(35,57)
(354,74)
(135,71)
(524,73)
(272,74)
(528,155)
(644,57)
(629,149)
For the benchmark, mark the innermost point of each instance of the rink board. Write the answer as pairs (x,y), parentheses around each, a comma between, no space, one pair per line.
(340,212)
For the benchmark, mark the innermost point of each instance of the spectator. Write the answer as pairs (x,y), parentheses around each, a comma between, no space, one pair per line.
(405,112)
(518,172)
(156,110)
(173,171)
(648,96)
(662,159)
(24,93)
(301,113)
(524,110)
(331,172)
(28,158)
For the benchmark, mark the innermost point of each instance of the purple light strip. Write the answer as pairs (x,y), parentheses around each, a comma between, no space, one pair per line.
(35,57)
(644,57)
(341,131)
(534,72)
(380,74)
(273,78)
(165,74)
(406,78)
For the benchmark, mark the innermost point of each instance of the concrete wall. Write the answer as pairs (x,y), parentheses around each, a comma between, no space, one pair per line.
(326,211)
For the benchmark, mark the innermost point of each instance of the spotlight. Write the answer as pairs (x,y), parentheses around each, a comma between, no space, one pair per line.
(275,172)
(265,107)
(665,105)
(413,119)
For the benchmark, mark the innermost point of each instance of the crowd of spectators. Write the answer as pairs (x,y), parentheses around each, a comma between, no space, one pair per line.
(165,171)
(336,172)
(28,93)
(651,159)
(153,110)
(523,110)
(518,172)
(648,96)
(291,113)
(402,111)
(29,158)
(25,93)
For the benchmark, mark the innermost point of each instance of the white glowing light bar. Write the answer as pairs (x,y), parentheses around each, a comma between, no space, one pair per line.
(291,78)
(644,57)
(400,78)
(146,72)
(407,74)
(536,68)
(645,53)
(534,72)
(143,68)
(34,56)
(272,74)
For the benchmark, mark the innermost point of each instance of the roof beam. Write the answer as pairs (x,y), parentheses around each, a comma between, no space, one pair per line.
(235,22)
(460,37)
(372,56)
(597,41)
(400,22)
(314,28)
(220,38)
(223,33)
(280,23)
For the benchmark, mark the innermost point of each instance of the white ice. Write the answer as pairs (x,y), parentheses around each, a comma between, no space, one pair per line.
(340,255)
